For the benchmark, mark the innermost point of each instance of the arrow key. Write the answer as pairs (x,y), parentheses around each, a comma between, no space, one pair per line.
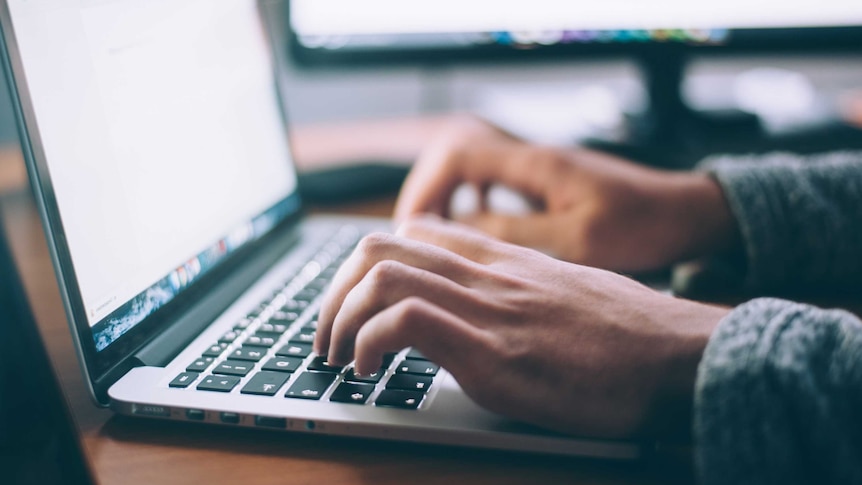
(352,393)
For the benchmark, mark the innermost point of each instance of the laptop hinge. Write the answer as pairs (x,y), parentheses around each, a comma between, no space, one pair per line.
(170,342)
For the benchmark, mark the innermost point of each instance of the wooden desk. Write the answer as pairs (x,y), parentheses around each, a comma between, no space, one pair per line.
(131,451)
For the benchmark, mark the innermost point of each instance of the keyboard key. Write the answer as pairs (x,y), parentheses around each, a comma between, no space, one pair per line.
(387,359)
(409,382)
(303,337)
(200,365)
(399,399)
(320,364)
(310,385)
(183,380)
(229,337)
(306,295)
(252,354)
(311,325)
(273,328)
(215,350)
(260,341)
(234,368)
(353,393)
(373,378)
(418,367)
(283,364)
(295,350)
(294,306)
(218,383)
(283,318)
(265,383)
(414,354)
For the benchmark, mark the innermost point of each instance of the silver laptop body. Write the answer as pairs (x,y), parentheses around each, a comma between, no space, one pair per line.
(157,150)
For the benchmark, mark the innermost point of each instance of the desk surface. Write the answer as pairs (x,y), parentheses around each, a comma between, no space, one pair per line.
(131,451)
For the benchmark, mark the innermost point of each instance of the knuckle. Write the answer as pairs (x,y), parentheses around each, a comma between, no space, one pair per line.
(385,274)
(410,313)
(373,245)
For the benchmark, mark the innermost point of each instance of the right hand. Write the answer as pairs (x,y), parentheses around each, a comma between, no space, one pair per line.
(594,208)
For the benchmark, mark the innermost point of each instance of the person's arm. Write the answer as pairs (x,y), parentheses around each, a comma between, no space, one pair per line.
(799,217)
(779,397)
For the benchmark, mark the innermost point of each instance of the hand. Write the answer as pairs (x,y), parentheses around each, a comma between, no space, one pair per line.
(594,209)
(558,345)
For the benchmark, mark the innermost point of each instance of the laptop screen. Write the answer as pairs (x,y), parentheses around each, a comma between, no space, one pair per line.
(164,139)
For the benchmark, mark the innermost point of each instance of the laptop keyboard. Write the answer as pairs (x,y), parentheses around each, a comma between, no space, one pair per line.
(268,353)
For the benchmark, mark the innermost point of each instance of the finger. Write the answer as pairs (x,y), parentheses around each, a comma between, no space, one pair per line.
(379,247)
(414,322)
(535,231)
(385,285)
(439,172)
(460,239)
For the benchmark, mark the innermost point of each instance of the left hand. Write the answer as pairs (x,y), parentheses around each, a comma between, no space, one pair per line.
(525,335)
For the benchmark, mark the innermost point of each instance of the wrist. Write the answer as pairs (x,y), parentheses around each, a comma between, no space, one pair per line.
(705,224)
(673,404)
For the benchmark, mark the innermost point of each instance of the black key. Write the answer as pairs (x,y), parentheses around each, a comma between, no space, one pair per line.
(252,354)
(183,380)
(303,337)
(218,383)
(414,354)
(273,328)
(306,295)
(317,285)
(373,378)
(284,317)
(260,341)
(418,367)
(409,382)
(295,306)
(310,385)
(399,399)
(229,337)
(351,392)
(234,368)
(283,364)
(265,383)
(295,350)
(320,364)
(200,365)
(387,359)
(215,350)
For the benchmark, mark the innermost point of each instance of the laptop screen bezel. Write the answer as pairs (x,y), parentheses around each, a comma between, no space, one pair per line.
(100,366)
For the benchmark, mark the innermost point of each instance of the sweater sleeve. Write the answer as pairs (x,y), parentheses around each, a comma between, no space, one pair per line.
(778,397)
(800,217)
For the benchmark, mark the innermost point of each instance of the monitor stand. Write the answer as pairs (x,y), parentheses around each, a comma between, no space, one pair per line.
(670,134)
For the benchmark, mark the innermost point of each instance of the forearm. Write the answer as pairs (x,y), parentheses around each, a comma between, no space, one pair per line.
(779,397)
(799,218)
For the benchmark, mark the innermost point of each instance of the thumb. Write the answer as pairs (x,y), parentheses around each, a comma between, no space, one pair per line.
(537,231)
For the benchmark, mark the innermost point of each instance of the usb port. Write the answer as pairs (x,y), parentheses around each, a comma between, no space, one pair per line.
(230,418)
(269,422)
(195,414)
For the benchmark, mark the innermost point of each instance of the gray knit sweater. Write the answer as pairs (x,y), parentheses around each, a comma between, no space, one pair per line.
(778,397)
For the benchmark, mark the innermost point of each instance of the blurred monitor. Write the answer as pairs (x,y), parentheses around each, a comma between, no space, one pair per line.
(361,31)
(660,35)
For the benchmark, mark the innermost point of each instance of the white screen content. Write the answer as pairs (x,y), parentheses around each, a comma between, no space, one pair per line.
(161,129)
(355,17)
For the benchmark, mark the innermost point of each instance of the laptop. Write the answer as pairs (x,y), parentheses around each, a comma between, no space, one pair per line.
(157,151)
(39,442)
